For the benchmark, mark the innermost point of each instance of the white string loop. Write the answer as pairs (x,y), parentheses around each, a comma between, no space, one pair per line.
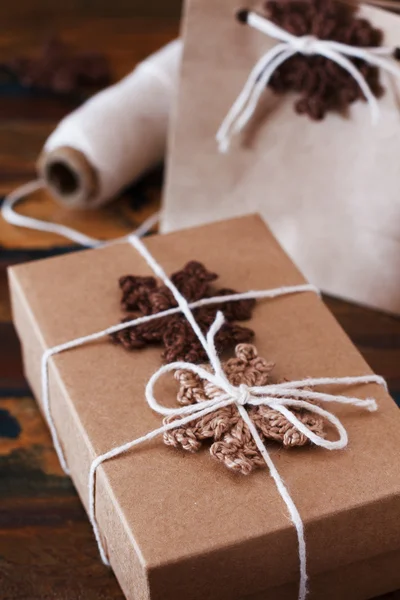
(308,45)
(281,397)
(19,194)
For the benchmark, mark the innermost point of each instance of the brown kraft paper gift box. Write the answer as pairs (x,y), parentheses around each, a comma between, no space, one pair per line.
(178,525)
(328,189)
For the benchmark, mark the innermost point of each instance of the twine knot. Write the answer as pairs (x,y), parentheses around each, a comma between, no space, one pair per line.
(243,396)
(306,44)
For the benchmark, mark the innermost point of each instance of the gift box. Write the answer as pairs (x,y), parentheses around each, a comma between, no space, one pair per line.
(326,188)
(175,524)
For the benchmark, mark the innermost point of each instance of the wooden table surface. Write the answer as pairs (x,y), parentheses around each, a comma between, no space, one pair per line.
(47,550)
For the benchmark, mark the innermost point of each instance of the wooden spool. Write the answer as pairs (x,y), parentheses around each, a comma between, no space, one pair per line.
(69,177)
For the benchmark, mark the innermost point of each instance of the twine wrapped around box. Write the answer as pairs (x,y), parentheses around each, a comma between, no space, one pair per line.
(280,397)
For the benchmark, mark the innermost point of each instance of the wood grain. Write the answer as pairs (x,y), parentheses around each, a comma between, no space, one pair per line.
(47,550)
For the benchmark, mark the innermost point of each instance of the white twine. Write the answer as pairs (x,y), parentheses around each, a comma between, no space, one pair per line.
(10,215)
(122,130)
(246,103)
(280,397)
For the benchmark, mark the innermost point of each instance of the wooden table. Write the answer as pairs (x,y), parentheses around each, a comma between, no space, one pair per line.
(47,550)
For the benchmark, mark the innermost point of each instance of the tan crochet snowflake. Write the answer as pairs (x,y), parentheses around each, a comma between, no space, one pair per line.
(231,441)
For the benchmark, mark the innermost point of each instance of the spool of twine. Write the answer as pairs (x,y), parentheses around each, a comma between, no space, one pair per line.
(115,137)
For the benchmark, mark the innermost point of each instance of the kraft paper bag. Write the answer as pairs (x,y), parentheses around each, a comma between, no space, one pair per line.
(328,189)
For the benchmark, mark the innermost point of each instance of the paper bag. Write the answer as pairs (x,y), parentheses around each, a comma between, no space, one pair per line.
(328,189)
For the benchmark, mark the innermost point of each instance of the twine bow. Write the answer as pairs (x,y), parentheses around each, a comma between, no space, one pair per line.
(308,45)
(280,396)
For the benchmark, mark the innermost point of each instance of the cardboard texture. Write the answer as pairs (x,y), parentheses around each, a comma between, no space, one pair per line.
(178,525)
(328,190)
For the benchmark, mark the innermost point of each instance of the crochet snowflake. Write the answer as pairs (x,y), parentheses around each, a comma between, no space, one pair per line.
(231,440)
(146,296)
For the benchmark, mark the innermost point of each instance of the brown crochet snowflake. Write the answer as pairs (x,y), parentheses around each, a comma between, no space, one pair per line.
(59,70)
(322,84)
(231,441)
(147,296)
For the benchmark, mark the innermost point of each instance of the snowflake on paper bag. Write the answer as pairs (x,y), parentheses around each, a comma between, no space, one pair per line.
(231,440)
(145,295)
(324,86)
